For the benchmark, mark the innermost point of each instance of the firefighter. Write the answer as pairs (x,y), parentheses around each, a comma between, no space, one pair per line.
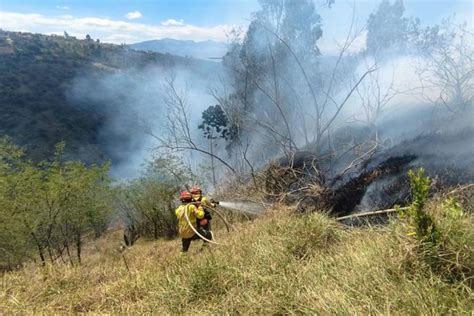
(203,203)
(194,213)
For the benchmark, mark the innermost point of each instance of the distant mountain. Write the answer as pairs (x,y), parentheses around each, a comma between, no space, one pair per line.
(200,50)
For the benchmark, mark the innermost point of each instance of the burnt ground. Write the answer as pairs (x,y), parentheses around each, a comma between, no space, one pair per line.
(379,182)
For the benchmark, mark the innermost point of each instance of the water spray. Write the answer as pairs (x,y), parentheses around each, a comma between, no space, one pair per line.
(243,206)
(239,206)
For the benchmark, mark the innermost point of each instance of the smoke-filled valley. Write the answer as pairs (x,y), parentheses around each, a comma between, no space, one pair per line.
(100,99)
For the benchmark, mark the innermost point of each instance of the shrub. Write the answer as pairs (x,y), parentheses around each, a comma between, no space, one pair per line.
(147,204)
(49,207)
(421,220)
(443,231)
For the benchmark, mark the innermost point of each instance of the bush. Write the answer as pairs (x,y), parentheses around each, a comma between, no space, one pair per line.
(148,204)
(49,207)
(421,220)
(443,231)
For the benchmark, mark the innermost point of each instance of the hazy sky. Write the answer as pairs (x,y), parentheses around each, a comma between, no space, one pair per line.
(120,21)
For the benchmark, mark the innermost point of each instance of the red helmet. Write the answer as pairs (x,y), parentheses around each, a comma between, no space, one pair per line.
(196,190)
(185,196)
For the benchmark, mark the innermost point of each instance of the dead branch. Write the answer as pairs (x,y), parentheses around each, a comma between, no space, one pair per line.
(179,136)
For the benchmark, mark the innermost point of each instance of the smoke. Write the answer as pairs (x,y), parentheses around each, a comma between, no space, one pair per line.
(396,104)
(244,206)
(132,104)
(407,94)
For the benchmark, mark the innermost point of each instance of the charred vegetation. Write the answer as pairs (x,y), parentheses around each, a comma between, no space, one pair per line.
(377,182)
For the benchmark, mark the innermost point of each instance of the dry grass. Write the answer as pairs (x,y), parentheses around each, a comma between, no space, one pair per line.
(278,264)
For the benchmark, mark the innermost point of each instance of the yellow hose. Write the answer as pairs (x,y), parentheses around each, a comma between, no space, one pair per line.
(227,225)
(195,230)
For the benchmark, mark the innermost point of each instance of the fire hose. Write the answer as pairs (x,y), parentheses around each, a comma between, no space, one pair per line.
(390,210)
(200,235)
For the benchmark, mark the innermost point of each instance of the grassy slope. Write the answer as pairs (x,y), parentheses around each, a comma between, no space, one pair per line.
(276,264)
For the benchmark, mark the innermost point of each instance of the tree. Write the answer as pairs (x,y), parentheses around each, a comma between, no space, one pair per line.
(281,37)
(214,125)
(286,94)
(84,202)
(50,205)
(302,28)
(15,245)
(447,77)
(147,204)
(178,134)
(387,28)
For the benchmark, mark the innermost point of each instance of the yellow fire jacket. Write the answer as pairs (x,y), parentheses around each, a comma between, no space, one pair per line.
(185,231)
(205,202)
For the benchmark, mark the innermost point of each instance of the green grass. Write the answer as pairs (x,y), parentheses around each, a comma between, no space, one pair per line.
(279,264)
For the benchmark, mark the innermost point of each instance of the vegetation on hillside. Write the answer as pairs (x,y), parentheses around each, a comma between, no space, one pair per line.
(281,263)
(301,131)
(37,73)
(50,209)
(47,208)
(147,204)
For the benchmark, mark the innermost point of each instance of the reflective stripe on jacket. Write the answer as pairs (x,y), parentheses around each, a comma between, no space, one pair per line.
(185,231)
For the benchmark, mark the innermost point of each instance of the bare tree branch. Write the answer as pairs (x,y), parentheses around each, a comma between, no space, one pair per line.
(178,135)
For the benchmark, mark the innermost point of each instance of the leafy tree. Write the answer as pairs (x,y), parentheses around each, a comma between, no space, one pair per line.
(275,64)
(301,26)
(50,206)
(152,204)
(147,204)
(214,123)
(14,241)
(387,28)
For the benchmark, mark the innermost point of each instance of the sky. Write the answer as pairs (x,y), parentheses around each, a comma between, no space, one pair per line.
(119,21)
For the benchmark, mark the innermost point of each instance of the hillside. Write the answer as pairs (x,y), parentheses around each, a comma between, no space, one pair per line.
(38,107)
(202,50)
(281,263)
(313,167)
